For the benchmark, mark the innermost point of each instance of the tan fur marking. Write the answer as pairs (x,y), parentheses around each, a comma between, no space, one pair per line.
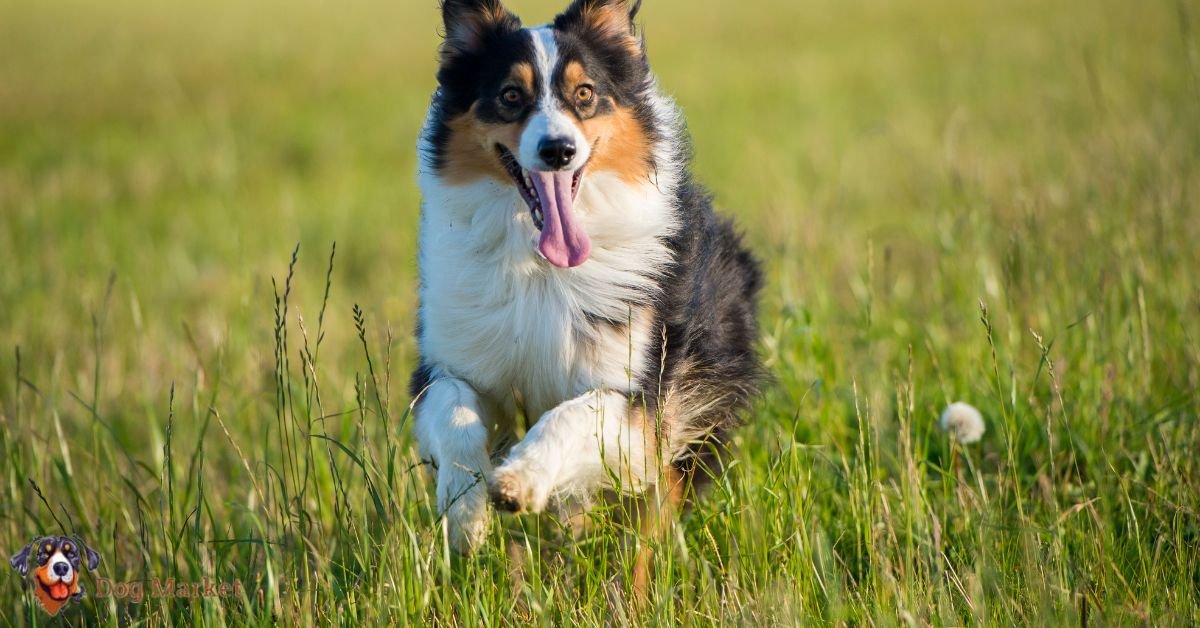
(620,144)
(495,13)
(41,574)
(617,334)
(612,20)
(470,153)
(574,75)
(662,507)
(467,34)
(522,74)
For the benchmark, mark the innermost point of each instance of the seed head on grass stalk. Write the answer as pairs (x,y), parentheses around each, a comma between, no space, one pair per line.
(963,422)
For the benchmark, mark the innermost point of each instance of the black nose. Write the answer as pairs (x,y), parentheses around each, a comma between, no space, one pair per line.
(61,569)
(556,151)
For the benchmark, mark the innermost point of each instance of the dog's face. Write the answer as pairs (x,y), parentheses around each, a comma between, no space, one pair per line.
(540,109)
(57,562)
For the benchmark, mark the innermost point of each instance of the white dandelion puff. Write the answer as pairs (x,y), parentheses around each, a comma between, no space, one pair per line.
(964,422)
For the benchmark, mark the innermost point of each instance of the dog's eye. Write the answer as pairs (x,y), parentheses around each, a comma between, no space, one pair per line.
(511,96)
(585,94)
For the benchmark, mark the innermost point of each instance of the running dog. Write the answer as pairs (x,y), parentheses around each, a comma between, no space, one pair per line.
(571,272)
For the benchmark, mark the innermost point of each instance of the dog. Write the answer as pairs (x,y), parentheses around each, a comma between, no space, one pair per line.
(571,271)
(56,576)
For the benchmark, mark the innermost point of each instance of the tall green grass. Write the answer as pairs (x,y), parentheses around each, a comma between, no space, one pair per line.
(988,202)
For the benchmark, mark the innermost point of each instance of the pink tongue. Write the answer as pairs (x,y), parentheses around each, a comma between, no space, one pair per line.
(564,243)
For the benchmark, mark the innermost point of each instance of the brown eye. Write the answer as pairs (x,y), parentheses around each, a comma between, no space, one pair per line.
(511,96)
(584,94)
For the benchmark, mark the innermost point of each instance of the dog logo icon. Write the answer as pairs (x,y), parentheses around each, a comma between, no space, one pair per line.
(56,576)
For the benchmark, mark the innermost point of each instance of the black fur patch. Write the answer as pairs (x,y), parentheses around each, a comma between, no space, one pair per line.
(421,378)
(708,315)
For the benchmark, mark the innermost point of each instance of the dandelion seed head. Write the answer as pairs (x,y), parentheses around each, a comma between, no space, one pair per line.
(964,422)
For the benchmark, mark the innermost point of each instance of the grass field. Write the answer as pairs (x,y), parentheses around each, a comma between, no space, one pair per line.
(995,202)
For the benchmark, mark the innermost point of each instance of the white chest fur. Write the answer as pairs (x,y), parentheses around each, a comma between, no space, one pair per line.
(496,315)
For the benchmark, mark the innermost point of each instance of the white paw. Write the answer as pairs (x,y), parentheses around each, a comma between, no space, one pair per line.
(462,499)
(520,486)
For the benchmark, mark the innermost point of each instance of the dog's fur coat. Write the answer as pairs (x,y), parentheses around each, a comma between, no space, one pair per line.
(571,271)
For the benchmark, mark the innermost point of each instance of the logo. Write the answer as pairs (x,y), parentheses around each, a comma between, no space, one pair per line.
(59,563)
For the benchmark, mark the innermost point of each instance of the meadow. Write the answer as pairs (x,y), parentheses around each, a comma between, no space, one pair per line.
(993,202)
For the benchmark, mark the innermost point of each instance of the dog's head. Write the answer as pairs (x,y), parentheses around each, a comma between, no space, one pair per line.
(541,109)
(58,561)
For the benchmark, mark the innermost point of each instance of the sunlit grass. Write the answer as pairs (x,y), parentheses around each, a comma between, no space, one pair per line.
(987,202)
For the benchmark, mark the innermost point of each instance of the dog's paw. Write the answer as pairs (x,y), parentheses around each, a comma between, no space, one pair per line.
(462,499)
(518,489)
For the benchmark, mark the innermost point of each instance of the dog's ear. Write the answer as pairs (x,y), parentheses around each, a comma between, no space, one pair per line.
(612,19)
(20,560)
(470,22)
(93,558)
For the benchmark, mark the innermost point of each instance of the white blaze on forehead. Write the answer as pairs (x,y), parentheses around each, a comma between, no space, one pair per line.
(550,119)
(545,57)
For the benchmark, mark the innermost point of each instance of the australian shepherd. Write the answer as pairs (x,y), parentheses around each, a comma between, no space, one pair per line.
(572,272)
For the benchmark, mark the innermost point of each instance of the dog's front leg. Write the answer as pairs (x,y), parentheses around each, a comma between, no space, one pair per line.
(452,428)
(593,440)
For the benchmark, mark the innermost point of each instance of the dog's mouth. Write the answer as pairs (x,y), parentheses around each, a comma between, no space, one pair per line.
(57,591)
(550,195)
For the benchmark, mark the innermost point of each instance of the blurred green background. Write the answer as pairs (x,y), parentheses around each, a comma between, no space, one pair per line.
(895,162)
